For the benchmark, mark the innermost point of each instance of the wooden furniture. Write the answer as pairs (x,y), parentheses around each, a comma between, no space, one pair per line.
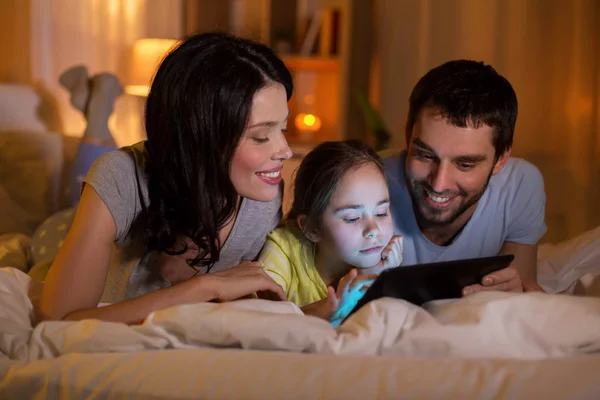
(324,86)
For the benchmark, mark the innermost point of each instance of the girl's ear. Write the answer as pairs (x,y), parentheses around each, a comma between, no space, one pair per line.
(311,233)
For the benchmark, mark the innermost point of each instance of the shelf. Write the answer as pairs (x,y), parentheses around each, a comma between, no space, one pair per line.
(300,63)
(332,78)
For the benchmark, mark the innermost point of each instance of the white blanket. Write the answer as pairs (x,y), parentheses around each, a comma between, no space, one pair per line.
(487,325)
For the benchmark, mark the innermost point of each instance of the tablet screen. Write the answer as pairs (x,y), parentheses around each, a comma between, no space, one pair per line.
(419,284)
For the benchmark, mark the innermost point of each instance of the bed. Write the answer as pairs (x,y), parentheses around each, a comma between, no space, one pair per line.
(489,346)
(239,374)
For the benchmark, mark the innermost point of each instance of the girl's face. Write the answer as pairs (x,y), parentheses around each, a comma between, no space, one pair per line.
(258,159)
(357,225)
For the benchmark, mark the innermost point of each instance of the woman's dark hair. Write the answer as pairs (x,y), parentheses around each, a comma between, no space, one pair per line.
(319,174)
(468,93)
(199,104)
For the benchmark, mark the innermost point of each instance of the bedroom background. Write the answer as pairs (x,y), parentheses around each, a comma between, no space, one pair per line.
(548,49)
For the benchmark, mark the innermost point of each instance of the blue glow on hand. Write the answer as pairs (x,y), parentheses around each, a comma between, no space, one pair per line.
(347,304)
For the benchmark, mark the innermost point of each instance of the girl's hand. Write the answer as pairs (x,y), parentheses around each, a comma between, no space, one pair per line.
(350,290)
(338,303)
(241,281)
(391,256)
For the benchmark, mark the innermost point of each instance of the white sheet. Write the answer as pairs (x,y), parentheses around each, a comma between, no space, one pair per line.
(422,353)
(488,325)
(572,266)
(257,375)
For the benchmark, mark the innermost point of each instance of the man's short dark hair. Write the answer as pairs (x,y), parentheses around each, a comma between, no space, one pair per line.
(468,93)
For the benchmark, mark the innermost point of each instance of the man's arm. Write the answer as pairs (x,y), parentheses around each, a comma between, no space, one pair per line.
(525,263)
(525,226)
(525,260)
(521,275)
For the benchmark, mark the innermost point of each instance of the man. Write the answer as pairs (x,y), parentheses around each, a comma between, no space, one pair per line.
(456,193)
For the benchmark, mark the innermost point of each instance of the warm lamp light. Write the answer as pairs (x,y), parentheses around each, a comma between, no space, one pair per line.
(307,122)
(146,57)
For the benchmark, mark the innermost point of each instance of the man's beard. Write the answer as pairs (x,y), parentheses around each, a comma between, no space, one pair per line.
(428,216)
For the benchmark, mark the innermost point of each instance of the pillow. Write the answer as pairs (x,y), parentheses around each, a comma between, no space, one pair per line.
(49,236)
(21,107)
(14,251)
(31,165)
(571,266)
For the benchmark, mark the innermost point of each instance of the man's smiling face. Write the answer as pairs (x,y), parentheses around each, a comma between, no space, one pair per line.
(448,168)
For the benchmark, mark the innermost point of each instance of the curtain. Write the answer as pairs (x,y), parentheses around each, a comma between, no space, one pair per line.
(98,34)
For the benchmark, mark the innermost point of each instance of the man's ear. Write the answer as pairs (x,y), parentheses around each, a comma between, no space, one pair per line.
(311,232)
(501,161)
(407,134)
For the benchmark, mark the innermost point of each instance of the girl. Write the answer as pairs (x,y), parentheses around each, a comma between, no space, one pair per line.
(339,224)
(199,194)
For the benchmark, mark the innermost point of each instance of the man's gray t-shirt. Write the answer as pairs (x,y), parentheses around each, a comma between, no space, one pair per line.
(512,209)
(120,180)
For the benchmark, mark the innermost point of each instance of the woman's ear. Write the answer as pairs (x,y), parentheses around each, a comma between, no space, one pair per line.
(311,233)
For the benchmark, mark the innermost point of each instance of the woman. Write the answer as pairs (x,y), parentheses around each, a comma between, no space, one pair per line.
(199,195)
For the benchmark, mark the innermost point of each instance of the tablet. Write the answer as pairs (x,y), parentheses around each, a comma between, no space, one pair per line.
(421,283)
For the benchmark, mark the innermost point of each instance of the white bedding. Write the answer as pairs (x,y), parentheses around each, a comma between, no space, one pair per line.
(230,374)
(486,325)
(492,345)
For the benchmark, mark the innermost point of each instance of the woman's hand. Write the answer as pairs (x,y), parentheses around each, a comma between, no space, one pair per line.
(240,281)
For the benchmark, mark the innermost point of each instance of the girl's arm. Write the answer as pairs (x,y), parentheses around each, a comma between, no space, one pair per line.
(324,308)
(77,277)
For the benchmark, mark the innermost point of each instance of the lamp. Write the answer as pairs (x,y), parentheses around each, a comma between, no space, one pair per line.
(146,56)
(307,122)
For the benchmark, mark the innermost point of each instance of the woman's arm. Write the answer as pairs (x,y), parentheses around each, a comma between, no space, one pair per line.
(77,277)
